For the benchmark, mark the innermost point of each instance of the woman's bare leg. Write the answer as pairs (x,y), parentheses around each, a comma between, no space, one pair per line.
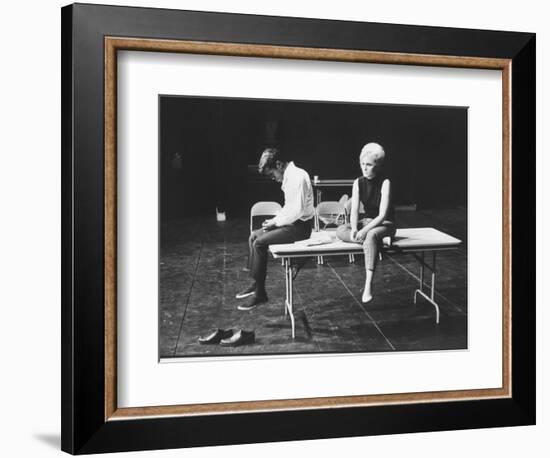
(371,247)
(367,292)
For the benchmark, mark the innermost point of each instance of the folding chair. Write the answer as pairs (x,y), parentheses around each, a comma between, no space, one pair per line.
(263,208)
(329,213)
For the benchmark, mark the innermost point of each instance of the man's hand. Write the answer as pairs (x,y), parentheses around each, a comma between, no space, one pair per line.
(268,224)
(353,234)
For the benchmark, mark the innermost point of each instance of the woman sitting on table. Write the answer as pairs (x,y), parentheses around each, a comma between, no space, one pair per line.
(373,190)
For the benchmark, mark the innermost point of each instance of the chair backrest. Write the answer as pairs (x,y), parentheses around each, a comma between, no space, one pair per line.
(264,208)
(343,200)
(328,212)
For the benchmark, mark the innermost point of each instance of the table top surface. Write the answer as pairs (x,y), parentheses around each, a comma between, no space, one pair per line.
(406,239)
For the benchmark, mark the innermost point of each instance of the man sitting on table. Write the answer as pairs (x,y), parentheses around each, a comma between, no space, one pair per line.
(292,223)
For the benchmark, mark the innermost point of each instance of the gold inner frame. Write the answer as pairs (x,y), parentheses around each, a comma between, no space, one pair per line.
(114,44)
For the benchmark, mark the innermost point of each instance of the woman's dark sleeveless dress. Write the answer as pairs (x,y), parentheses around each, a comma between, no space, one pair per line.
(370,192)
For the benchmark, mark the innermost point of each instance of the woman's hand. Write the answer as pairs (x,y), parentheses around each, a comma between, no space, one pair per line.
(360,236)
(353,234)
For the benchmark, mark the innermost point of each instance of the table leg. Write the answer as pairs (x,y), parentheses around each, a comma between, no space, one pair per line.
(286,267)
(291,305)
(433,277)
(289,294)
(420,290)
(421,281)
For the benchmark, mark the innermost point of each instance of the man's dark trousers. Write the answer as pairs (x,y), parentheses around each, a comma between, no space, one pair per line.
(259,242)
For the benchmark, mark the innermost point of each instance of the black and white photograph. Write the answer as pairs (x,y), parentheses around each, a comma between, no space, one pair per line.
(311,227)
(275,229)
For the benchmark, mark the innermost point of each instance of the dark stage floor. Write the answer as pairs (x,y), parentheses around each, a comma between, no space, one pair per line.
(201,270)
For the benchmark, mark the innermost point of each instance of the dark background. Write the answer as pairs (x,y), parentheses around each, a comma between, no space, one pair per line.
(220,141)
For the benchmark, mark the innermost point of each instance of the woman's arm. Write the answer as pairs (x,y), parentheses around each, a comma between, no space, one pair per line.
(385,198)
(354,211)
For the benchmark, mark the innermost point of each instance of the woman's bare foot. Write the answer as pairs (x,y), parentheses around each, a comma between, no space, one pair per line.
(367,297)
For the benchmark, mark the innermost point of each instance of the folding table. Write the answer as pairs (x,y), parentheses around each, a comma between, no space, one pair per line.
(417,241)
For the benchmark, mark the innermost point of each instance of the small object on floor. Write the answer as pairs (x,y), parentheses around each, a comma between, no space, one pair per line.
(216,336)
(247,292)
(253,302)
(241,337)
(220,215)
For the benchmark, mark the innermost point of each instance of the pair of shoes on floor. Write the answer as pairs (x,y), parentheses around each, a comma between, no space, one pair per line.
(228,337)
(255,300)
(241,337)
(216,336)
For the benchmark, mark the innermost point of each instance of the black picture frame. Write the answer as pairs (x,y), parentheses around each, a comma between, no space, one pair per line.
(84,426)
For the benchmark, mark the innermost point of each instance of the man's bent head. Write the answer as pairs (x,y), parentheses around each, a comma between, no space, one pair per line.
(272,164)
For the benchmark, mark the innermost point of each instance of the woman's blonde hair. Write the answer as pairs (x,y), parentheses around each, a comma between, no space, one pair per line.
(374,151)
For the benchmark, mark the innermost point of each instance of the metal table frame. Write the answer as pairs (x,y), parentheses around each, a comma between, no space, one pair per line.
(417,252)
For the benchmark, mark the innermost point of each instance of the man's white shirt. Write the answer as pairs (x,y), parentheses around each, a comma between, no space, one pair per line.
(298,193)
